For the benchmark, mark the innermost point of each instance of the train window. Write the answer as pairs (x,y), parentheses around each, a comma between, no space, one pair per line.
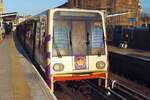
(79,38)
(96,38)
(78,33)
(40,32)
(38,41)
(43,30)
(29,34)
(61,38)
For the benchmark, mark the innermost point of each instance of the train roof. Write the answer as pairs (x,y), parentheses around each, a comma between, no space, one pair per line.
(72,9)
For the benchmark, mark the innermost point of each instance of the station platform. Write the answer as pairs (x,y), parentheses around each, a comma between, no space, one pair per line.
(128,74)
(19,80)
(136,53)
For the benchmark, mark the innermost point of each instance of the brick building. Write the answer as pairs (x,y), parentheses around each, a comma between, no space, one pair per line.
(111,7)
(131,19)
(88,4)
(1,6)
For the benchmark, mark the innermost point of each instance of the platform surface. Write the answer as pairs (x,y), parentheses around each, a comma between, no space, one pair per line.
(19,80)
(140,54)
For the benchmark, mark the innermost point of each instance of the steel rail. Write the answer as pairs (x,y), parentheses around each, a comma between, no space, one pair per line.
(111,91)
(95,89)
(117,94)
(130,91)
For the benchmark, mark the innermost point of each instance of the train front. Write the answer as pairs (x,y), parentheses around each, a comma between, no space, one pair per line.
(78,46)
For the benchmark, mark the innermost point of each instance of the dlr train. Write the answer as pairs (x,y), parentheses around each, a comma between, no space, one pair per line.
(67,44)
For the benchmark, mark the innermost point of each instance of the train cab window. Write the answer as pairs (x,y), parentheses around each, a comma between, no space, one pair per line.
(78,33)
(61,38)
(96,38)
(79,38)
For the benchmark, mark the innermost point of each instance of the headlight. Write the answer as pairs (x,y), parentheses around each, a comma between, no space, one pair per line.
(58,67)
(100,65)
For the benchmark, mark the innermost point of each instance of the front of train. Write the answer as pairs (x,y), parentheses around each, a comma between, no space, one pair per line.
(79,49)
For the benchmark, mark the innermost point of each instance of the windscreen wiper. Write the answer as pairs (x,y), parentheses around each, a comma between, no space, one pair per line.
(57,49)
(70,36)
(88,41)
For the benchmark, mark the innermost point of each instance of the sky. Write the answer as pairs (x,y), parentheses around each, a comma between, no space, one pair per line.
(145,5)
(30,7)
(33,7)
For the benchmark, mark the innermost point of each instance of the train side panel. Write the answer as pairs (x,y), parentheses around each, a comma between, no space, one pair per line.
(30,37)
(40,39)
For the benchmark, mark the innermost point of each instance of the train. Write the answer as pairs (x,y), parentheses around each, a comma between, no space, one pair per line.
(67,44)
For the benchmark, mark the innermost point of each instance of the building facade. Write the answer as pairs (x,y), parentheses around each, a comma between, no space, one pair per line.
(133,18)
(1,6)
(88,4)
(112,7)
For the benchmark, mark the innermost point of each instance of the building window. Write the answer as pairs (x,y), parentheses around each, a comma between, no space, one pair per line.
(77,3)
(98,4)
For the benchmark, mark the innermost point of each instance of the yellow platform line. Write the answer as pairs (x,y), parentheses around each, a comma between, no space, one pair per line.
(1,38)
(20,87)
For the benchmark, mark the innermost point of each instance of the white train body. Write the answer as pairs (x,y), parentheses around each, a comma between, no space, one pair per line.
(69,44)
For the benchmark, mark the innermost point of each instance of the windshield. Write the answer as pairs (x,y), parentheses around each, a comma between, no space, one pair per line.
(76,33)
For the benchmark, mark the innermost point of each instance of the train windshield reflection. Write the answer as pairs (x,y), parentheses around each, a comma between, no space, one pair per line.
(77,35)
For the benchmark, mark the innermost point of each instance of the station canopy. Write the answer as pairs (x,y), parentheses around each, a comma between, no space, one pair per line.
(9,16)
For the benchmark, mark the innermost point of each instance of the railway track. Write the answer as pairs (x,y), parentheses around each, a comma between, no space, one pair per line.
(118,91)
(81,91)
(126,93)
(84,90)
(130,67)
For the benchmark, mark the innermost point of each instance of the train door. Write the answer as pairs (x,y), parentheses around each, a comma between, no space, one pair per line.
(29,37)
(79,45)
(40,45)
